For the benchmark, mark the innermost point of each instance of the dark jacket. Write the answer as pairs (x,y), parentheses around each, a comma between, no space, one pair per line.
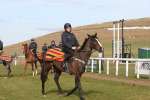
(1,45)
(44,49)
(33,45)
(68,41)
(52,46)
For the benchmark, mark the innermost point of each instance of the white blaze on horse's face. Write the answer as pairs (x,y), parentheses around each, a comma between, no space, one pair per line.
(98,42)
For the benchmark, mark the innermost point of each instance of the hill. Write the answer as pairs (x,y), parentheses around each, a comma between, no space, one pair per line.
(138,38)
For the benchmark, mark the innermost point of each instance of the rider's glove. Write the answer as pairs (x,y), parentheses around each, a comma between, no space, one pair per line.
(73,48)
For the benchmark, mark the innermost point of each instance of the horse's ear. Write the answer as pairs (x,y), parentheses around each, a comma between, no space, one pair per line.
(95,34)
(88,35)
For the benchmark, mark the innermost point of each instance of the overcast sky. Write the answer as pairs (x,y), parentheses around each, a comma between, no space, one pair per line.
(23,19)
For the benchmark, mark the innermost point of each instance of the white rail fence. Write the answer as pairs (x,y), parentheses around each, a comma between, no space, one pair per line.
(108,60)
(117,62)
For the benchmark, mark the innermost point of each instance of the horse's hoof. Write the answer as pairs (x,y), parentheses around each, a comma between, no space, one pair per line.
(5,77)
(44,95)
(60,94)
(82,98)
(66,94)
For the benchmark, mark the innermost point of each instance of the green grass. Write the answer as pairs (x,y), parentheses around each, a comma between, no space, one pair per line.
(18,87)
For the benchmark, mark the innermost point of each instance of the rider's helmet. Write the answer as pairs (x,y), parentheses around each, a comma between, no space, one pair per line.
(52,42)
(32,40)
(67,25)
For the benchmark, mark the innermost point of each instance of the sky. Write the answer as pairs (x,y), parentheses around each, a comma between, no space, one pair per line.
(23,19)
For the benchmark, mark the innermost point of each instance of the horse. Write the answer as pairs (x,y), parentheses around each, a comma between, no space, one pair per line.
(7,64)
(29,59)
(76,65)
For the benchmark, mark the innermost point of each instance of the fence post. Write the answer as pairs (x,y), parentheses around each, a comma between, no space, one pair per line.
(117,63)
(107,67)
(100,63)
(92,67)
(138,65)
(127,67)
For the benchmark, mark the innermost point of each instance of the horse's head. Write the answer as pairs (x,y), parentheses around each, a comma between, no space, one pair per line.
(25,47)
(94,43)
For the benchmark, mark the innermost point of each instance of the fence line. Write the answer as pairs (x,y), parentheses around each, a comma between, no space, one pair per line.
(117,62)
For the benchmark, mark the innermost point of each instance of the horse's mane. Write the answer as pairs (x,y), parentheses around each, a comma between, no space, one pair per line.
(84,43)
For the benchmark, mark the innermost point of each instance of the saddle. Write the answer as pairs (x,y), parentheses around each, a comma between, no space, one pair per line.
(53,54)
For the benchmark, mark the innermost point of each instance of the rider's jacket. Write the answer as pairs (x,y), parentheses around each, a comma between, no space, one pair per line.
(68,41)
(1,45)
(33,46)
(52,46)
(44,49)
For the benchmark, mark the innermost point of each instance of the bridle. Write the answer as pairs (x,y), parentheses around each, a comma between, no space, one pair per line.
(86,50)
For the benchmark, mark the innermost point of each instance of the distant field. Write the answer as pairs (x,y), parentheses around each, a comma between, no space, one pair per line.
(138,38)
(29,88)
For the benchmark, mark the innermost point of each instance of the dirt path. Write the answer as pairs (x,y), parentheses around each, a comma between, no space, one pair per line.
(141,82)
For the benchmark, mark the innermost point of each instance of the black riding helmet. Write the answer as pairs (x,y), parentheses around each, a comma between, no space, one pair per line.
(67,25)
(32,39)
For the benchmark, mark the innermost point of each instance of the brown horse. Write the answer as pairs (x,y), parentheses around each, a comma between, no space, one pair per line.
(6,61)
(76,65)
(29,59)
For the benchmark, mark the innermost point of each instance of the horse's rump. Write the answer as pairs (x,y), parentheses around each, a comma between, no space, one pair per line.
(5,58)
(53,54)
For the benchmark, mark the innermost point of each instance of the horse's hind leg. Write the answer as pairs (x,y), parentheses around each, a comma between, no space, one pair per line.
(7,66)
(9,69)
(57,74)
(36,72)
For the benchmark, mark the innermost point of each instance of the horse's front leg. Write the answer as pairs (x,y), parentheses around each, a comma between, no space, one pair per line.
(25,68)
(33,74)
(80,89)
(75,88)
(44,74)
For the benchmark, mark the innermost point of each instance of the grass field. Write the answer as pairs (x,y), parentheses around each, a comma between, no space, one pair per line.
(18,87)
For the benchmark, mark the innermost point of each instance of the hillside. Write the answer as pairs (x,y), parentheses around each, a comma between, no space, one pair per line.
(138,38)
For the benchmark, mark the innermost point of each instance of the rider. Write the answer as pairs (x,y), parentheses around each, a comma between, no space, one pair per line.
(1,46)
(33,47)
(52,45)
(69,42)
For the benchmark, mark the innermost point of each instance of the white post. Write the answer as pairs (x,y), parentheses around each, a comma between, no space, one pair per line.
(118,44)
(117,63)
(114,40)
(92,67)
(85,68)
(138,75)
(15,61)
(127,68)
(100,66)
(107,67)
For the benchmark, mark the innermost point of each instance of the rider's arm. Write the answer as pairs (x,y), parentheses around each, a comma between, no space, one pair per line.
(76,41)
(30,46)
